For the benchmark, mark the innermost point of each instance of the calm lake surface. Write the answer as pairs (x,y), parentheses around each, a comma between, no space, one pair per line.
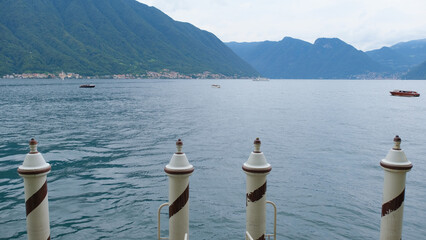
(108,147)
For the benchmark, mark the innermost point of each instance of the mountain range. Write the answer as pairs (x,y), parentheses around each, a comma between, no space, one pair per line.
(103,37)
(401,56)
(418,72)
(332,58)
(108,37)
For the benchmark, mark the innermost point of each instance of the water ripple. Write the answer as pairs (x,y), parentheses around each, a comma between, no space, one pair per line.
(108,148)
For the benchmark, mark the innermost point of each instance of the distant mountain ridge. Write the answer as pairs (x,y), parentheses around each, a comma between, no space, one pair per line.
(329,58)
(101,37)
(401,56)
(418,72)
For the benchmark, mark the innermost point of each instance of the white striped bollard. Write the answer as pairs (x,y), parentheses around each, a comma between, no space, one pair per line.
(396,166)
(34,171)
(256,169)
(178,171)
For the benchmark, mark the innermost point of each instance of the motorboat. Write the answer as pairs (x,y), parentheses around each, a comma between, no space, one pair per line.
(216,85)
(87,86)
(260,79)
(404,93)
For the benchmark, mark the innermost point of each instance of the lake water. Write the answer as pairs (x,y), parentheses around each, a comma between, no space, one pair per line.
(108,147)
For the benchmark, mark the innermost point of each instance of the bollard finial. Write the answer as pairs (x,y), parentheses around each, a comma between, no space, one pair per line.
(257,163)
(397,141)
(33,146)
(179,164)
(179,145)
(257,145)
(34,162)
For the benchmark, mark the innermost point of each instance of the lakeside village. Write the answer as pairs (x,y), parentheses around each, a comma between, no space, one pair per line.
(168,74)
(164,74)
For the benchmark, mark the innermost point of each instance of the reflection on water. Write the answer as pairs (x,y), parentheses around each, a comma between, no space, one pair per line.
(108,147)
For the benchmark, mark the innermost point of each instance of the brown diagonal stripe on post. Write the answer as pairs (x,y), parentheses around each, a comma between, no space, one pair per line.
(257,194)
(261,237)
(48,238)
(35,200)
(393,204)
(179,203)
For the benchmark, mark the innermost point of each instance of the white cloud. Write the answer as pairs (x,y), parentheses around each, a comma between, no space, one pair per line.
(366,24)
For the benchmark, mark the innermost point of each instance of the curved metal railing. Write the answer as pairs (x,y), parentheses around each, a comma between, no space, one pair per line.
(158,220)
(274,235)
(275,222)
(248,236)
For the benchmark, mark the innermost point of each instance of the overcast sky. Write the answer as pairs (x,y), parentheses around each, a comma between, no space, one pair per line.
(365,24)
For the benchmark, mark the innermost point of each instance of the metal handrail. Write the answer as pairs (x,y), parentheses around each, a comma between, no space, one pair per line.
(248,236)
(275,222)
(158,219)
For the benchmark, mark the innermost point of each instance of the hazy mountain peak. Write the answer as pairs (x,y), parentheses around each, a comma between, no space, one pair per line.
(294,58)
(413,44)
(330,43)
(289,39)
(401,56)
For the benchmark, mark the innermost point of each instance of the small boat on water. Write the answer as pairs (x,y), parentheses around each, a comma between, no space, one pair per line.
(87,86)
(404,93)
(261,79)
(216,85)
